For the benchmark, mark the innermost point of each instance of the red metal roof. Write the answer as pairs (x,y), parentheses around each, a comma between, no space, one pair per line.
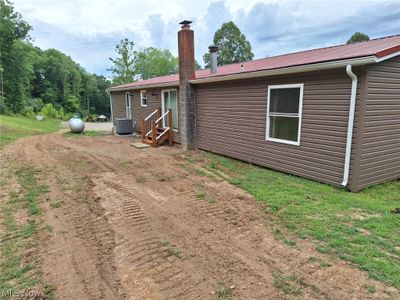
(378,47)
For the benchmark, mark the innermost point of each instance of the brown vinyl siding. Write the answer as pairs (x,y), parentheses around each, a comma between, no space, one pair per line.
(231,120)
(138,111)
(380,145)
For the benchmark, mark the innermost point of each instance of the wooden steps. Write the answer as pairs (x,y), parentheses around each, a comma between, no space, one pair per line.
(153,133)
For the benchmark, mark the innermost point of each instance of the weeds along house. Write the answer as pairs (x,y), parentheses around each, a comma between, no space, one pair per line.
(329,114)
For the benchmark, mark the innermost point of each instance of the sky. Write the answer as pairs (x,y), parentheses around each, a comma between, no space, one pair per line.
(88,30)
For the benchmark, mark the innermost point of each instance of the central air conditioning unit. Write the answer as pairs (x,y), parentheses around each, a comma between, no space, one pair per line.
(123,126)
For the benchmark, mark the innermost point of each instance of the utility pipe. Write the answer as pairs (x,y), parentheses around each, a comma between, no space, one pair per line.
(350,124)
(111,110)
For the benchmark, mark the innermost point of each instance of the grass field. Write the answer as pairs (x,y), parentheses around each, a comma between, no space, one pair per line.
(19,269)
(13,127)
(357,227)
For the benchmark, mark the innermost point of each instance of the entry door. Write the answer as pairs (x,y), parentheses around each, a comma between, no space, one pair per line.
(170,101)
(128,105)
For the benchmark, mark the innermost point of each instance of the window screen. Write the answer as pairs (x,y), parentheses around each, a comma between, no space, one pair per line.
(284,113)
(143,98)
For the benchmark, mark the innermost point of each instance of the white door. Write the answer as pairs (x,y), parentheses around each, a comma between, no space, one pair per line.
(170,101)
(128,105)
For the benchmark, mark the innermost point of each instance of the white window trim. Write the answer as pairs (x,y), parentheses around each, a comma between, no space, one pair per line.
(163,105)
(128,108)
(141,98)
(300,114)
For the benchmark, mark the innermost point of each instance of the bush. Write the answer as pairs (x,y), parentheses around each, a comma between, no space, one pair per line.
(36,104)
(62,115)
(72,104)
(29,112)
(49,111)
(90,118)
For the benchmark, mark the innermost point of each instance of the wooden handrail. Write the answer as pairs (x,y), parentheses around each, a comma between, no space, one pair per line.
(149,116)
(159,123)
(153,134)
(162,117)
(166,130)
(143,128)
(157,136)
(171,132)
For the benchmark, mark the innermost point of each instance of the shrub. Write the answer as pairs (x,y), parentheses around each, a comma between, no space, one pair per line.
(72,104)
(91,118)
(62,115)
(36,104)
(29,112)
(49,111)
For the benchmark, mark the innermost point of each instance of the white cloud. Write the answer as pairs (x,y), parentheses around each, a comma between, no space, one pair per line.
(88,30)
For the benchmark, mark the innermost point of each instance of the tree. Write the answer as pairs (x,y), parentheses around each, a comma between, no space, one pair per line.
(197,66)
(94,97)
(33,78)
(18,73)
(12,27)
(151,62)
(60,79)
(16,58)
(232,45)
(124,64)
(358,37)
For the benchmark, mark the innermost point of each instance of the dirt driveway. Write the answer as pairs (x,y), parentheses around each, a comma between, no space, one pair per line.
(144,224)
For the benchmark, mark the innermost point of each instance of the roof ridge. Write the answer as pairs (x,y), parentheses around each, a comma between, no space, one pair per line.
(310,50)
(387,45)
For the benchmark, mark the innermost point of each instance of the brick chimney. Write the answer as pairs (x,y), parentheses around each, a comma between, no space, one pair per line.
(187,107)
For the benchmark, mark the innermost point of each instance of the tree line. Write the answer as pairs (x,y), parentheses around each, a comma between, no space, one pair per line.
(130,64)
(48,81)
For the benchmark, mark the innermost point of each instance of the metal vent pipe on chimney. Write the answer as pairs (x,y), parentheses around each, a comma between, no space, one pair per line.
(213,58)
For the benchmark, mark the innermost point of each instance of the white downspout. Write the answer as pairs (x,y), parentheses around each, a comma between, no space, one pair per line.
(111,111)
(350,124)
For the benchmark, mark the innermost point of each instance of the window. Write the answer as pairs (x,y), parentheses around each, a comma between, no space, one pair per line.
(143,98)
(170,101)
(128,105)
(284,113)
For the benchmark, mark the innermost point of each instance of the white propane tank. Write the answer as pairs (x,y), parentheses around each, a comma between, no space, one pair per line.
(76,124)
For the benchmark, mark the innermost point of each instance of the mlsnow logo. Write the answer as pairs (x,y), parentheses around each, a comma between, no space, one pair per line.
(25,294)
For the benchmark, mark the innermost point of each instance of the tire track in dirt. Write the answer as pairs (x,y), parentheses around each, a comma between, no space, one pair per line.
(82,238)
(221,260)
(120,237)
(140,249)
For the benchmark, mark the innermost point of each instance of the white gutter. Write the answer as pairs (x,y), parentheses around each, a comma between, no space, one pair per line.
(350,124)
(111,116)
(296,69)
(377,60)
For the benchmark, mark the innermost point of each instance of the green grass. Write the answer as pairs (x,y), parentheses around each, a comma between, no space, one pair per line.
(321,263)
(14,127)
(289,284)
(141,179)
(171,249)
(17,273)
(223,292)
(370,288)
(356,227)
